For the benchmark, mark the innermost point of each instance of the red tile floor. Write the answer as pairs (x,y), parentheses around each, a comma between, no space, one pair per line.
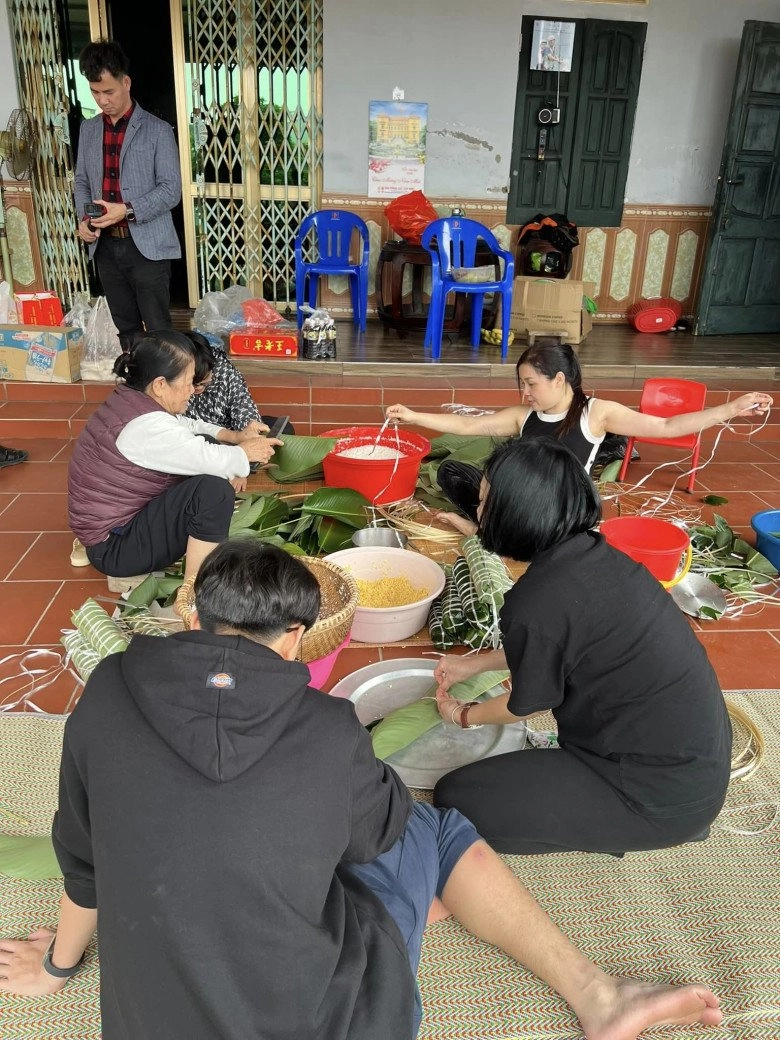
(39,587)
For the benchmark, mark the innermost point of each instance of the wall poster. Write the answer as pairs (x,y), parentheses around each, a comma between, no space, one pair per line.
(396,147)
(552,46)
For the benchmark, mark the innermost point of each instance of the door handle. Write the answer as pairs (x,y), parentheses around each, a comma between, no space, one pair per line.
(738,180)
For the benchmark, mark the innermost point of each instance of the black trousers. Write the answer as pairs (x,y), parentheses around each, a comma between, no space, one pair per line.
(544,800)
(199,507)
(137,289)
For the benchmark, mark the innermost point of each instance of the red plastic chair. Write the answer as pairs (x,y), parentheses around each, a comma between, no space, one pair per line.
(665,398)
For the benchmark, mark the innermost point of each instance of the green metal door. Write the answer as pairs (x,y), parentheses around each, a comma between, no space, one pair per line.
(740,290)
(583,166)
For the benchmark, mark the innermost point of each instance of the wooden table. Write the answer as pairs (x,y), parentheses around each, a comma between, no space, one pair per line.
(411,316)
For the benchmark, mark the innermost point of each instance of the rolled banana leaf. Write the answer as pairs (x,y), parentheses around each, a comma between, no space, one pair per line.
(402,727)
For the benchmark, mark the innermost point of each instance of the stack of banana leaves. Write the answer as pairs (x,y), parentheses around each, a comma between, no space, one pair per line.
(322,523)
(455,448)
(299,458)
(466,613)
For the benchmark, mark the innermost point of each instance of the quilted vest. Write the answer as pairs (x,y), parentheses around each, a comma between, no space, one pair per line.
(106,490)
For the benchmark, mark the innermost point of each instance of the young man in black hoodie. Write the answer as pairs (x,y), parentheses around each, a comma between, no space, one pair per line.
(257,872)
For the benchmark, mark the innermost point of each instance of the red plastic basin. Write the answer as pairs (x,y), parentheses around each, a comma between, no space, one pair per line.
(380,480)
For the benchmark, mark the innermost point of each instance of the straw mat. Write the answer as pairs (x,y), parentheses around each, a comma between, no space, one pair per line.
(703,912)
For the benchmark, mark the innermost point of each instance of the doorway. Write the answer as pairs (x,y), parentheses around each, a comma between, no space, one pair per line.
(143,30)
(740,289)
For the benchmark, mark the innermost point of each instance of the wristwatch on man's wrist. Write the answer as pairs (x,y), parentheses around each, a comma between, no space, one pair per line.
(60,973)
(130,212)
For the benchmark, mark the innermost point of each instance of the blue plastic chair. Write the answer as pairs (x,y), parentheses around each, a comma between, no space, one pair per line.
(452,243)
(334,229)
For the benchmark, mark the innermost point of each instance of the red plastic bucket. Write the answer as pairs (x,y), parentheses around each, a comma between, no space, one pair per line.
(380,480)
(658,544)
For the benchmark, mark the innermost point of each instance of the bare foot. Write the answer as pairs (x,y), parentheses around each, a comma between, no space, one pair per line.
(622,1009)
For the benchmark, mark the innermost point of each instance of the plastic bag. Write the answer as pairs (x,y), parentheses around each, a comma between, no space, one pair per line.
(79,314)
(258,313)
(409,215)
(101,343)
(220,312)
(7,305)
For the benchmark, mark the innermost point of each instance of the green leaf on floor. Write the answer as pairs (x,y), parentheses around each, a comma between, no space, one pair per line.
(714,500)
(28,857)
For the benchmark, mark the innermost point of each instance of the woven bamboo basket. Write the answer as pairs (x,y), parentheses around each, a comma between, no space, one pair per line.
(339,598)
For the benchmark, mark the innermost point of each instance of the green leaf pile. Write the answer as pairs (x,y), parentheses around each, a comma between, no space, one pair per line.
(300,458)
(729,561)
(322,523)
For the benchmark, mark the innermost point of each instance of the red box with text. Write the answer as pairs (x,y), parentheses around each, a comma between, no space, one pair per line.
(268,341)
(42,308)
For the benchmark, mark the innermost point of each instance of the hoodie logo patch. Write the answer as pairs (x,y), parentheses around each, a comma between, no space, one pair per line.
(221,681)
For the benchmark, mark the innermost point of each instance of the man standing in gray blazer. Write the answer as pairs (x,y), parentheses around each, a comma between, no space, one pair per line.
(127,173)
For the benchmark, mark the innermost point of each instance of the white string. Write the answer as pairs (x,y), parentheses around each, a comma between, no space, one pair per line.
(738,810)
(675,462)
(32,677)
(401,454)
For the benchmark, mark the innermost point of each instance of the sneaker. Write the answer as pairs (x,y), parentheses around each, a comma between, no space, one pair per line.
(125,584)
(11,456)
(78,555)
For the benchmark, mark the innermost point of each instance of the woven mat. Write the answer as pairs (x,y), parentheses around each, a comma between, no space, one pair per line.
(706,912)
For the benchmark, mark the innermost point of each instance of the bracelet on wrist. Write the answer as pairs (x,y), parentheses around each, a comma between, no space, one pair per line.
(60,973)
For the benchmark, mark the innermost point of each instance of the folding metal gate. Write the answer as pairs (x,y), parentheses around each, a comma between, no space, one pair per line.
(248,86)
(43,93)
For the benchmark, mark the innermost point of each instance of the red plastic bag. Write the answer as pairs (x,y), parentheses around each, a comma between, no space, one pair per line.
(259,313)
(409,215)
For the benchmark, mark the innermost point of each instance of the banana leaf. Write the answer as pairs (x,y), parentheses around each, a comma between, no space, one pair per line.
(28,857)
(292,549)
(299,458)
(343,504)
(466,449)
(333,535)
(402,727)
(143,594)
(610,472)
(153,588)
(274,513)
(247,514)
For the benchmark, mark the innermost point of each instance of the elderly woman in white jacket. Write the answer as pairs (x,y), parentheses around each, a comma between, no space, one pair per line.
(144,485)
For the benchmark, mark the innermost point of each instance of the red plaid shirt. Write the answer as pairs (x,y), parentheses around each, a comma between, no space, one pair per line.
(113,139)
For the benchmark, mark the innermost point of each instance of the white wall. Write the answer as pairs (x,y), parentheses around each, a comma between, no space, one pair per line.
(461,58)
(9,95)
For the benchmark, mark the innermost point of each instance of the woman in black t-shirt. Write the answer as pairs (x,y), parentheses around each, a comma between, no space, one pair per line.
(644,735)
(555,407)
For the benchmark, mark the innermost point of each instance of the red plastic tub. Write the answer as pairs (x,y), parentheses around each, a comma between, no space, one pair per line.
(380,480)
(658,544)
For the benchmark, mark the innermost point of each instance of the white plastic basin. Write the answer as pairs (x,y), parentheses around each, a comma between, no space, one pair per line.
(390,624)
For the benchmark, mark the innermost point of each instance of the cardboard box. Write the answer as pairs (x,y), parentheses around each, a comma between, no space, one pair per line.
(42,308)
(266,341)
(551,306)
(40,354)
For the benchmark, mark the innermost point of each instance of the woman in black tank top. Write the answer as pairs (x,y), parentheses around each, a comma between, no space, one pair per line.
(556,407)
